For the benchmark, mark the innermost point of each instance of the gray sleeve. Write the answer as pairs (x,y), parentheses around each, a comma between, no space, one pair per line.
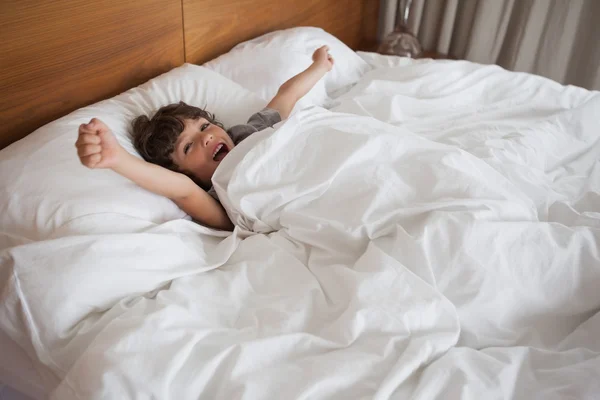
(265,118)
(213,193)
(257,122)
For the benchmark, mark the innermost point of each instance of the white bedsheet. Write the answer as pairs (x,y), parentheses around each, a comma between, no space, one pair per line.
(18,373)
(434,236)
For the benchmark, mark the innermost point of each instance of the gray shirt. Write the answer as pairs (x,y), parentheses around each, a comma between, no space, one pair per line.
(257,122)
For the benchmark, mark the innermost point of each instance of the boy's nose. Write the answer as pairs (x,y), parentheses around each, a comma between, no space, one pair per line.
(207,139)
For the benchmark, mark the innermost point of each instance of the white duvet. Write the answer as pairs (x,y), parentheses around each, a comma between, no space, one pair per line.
(434,236)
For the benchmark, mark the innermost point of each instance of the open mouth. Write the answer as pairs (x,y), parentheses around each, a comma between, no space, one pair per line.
(220,152)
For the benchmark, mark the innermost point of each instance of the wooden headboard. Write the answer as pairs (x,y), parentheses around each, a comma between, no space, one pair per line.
(213,27)
(60,55)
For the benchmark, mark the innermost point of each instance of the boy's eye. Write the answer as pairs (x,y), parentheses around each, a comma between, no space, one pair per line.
(187,148)
(204,126)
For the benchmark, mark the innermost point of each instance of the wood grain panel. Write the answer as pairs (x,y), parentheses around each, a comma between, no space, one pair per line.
(370,23)
(213,27)
(59,55)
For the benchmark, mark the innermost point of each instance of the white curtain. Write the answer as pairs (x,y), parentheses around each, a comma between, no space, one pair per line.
(559,39)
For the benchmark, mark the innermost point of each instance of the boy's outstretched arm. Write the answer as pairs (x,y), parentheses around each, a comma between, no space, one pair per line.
(295,88)
(98,148)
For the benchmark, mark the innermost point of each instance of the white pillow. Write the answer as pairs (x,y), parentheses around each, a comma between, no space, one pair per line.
(45,192)
(264,63)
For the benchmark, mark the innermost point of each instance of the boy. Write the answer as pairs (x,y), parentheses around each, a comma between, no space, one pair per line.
(186,144)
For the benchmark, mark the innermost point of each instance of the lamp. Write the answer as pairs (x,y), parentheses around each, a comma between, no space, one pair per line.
(401,42)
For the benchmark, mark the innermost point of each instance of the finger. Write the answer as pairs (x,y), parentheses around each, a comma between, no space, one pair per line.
(88,138)
(85,129)
(88,149)
(78,142)
(90,127)
(82,128)
(95,124)
(91,161)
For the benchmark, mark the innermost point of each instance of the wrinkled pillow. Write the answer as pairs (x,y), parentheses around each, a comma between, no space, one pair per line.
(263,64)
(44,190)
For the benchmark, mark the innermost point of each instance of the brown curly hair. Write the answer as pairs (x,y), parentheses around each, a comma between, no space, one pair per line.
(155,138)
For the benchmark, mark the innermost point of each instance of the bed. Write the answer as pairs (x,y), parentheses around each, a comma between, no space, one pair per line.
(416,229)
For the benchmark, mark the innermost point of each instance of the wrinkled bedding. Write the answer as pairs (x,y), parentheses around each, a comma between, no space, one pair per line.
(434,235)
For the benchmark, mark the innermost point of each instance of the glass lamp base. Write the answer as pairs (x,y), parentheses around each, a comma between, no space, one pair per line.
(400,43)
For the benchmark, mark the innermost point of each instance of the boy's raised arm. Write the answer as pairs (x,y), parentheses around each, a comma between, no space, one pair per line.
(296,87)
(98,148)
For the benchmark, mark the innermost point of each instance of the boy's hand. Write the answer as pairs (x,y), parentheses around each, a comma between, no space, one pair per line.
(322,58)
(96,145)
(296,87)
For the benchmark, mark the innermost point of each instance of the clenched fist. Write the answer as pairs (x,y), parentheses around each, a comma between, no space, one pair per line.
(322,58)
(96,145)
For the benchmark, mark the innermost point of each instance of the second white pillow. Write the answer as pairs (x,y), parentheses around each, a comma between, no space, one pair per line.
(263,64)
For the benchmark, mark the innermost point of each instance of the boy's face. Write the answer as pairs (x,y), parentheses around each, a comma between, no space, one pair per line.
(200,148)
